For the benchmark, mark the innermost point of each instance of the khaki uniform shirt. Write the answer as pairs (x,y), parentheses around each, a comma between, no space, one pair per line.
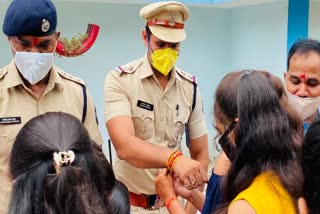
(159,117)
(63,93)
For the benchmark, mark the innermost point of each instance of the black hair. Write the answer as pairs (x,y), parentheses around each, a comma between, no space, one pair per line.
(303,46)
(267,135)
(84,186)
(119,199)
(311,167)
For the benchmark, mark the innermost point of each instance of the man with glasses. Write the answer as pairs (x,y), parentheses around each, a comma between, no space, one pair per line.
(31,85)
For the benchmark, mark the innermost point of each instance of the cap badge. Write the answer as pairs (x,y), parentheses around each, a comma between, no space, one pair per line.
(45,25)
(172,22)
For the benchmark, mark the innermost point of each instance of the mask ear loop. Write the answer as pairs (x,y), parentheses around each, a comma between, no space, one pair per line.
(226,145)
(148,40)
(13,47)
(54,51)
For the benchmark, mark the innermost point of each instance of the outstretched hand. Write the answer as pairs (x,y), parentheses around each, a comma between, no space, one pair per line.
(164,185)
(190,173)
(168,185)
(180,189)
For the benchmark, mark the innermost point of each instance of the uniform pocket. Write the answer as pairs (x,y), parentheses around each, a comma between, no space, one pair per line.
(179,121)
(7,136)
(143,121)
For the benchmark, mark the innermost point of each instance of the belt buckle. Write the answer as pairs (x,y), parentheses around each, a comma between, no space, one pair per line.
(154,202)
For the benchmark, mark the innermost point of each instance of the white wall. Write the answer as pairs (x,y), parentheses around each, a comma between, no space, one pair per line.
(4,54)
(314,19)
(259,37)
(203,53)
(218,41)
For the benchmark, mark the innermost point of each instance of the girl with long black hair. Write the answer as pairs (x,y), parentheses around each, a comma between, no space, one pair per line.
(58,169)
(261,135)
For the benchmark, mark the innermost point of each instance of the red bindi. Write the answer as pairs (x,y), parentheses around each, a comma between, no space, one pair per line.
(303,76)
(35,41)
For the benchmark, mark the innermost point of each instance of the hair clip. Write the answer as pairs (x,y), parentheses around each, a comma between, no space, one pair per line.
(248,71)
(62,159)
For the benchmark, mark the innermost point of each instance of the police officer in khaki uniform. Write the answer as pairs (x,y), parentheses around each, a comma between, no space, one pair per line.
(148,104)
(31,85)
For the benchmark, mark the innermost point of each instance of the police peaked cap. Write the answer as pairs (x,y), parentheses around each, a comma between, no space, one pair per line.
(30,17)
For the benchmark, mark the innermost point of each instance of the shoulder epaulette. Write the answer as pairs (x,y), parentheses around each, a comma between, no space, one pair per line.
(128,68)
(187,76)
(70,77)
(3,72)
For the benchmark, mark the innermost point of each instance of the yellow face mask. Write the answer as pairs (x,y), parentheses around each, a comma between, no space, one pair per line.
(164,59)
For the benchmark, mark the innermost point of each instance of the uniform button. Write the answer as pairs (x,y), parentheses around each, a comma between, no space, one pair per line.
(161,119)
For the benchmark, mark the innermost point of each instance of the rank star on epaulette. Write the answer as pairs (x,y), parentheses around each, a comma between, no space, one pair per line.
(188,76)
(128,68)
(119,70)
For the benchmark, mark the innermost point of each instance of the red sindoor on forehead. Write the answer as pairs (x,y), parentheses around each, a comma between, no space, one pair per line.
(35,41)
(303,76)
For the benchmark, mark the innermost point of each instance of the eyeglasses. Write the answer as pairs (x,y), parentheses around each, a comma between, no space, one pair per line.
(225,143)
(216,142)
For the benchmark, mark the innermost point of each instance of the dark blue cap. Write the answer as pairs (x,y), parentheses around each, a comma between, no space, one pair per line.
(30,17)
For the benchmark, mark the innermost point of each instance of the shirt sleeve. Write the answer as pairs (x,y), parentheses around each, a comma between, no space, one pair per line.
(91,122)
(197,123)
(116,97)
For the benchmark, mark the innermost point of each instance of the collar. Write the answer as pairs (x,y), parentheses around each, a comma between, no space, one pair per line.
(55,79)
(177,76)
(13,77)
(146,69)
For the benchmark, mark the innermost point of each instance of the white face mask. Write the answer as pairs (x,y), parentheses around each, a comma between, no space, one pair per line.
(33,66)
(304,106)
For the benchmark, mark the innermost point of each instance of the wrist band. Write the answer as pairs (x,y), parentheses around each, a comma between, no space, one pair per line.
(173,159)
(169,201)
(170,159)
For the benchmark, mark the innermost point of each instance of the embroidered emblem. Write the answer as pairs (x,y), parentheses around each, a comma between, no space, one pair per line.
(45,25)
(172,21)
